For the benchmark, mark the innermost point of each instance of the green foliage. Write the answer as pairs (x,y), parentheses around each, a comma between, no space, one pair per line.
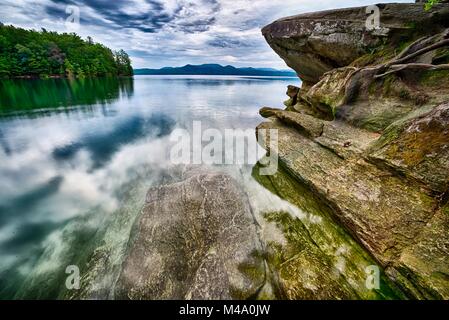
(430,3)
(43,54)
(436,78)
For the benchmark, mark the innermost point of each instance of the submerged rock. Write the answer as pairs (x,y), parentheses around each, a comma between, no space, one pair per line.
(196,239)
(318,259)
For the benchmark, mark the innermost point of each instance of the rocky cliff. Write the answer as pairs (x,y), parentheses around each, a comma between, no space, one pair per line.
(368,132)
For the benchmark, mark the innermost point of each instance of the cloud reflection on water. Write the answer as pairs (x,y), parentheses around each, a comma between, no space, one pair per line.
(69,169)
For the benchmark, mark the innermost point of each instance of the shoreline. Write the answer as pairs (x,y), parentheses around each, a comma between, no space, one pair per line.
(32,77)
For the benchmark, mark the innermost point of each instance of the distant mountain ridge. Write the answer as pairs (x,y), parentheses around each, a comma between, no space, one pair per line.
(215,69)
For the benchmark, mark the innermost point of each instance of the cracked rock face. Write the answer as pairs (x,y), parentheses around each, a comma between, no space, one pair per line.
(358,191)
(314,43)
(196,239)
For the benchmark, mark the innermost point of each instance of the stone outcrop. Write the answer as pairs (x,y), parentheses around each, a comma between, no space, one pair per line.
(195,239)
(315,43)
(367,133)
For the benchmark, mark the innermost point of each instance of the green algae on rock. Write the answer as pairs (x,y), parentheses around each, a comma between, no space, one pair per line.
(320,260)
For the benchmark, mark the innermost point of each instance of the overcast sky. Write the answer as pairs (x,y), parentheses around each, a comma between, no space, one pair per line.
(158,33)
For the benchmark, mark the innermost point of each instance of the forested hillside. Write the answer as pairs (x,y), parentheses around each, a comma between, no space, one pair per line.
(29,53)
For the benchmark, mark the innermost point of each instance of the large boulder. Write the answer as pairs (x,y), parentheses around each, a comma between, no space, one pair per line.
(196,239)
(314,43)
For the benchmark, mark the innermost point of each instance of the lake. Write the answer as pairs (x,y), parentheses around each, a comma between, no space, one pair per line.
(77,157)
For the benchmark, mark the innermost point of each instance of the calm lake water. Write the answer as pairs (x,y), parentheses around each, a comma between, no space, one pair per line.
(76,155)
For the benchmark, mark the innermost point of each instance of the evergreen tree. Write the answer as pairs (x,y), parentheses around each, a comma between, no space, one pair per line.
(46,53)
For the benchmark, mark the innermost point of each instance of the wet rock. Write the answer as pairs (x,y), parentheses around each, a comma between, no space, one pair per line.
(196,239)
(318,259)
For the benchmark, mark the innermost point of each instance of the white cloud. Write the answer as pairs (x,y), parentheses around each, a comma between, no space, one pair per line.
(183,31)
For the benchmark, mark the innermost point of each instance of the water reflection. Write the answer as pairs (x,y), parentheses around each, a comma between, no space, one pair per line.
(22,205)
(21,95)
(103,146)
(75,154)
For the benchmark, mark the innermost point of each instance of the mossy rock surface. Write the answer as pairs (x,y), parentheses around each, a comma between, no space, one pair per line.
(427,260)
(419,148)
(319,260)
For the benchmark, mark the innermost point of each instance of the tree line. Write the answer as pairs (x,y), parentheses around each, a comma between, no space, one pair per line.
(31,53)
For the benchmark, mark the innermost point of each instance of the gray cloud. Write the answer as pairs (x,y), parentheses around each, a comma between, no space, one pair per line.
(113,11)
(160,33)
